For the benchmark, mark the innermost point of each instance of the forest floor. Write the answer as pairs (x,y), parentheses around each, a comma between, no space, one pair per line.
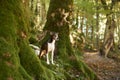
(105,68)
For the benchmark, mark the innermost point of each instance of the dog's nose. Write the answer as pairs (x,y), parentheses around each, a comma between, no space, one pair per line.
(57,38)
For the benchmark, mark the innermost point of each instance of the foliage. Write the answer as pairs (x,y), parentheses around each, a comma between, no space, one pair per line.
(86,8)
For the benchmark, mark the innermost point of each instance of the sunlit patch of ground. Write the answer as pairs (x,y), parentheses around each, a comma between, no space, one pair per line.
(105,68)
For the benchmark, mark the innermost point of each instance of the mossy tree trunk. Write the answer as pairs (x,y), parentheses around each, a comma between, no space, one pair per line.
(17,60)
(10,67)
(58,20)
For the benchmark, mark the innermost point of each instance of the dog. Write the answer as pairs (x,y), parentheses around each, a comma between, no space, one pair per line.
(49,46)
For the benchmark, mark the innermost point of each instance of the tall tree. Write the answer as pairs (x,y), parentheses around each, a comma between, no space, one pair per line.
(58,20)
(110,27)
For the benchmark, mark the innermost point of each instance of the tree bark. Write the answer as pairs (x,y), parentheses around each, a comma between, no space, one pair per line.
(109,30)
(109,37)
(58,21)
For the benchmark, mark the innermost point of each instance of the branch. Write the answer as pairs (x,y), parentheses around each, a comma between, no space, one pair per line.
(104,4)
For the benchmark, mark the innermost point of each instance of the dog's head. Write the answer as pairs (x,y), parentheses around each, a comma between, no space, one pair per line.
(54,36)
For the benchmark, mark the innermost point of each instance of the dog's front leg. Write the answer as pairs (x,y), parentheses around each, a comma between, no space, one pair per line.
(48,62)
(52,56)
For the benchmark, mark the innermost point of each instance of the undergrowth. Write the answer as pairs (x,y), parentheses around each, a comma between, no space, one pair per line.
(73,68)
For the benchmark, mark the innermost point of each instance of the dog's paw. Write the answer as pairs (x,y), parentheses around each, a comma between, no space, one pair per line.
(48,63)
(53,63)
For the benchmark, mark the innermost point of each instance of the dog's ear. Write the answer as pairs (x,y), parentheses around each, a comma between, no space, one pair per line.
(56,33)
(51,33)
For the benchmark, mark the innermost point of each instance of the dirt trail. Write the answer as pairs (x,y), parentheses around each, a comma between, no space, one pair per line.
(105,68)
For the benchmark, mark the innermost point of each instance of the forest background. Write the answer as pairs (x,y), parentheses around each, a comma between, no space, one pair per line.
(83,25)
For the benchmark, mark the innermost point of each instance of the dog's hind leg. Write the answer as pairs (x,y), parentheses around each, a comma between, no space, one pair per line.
(43,52)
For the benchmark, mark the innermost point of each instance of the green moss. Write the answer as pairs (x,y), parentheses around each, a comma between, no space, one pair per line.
(10,67)
(32,63)
(24,73)
(29,60)
(78,64)
(9,61)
